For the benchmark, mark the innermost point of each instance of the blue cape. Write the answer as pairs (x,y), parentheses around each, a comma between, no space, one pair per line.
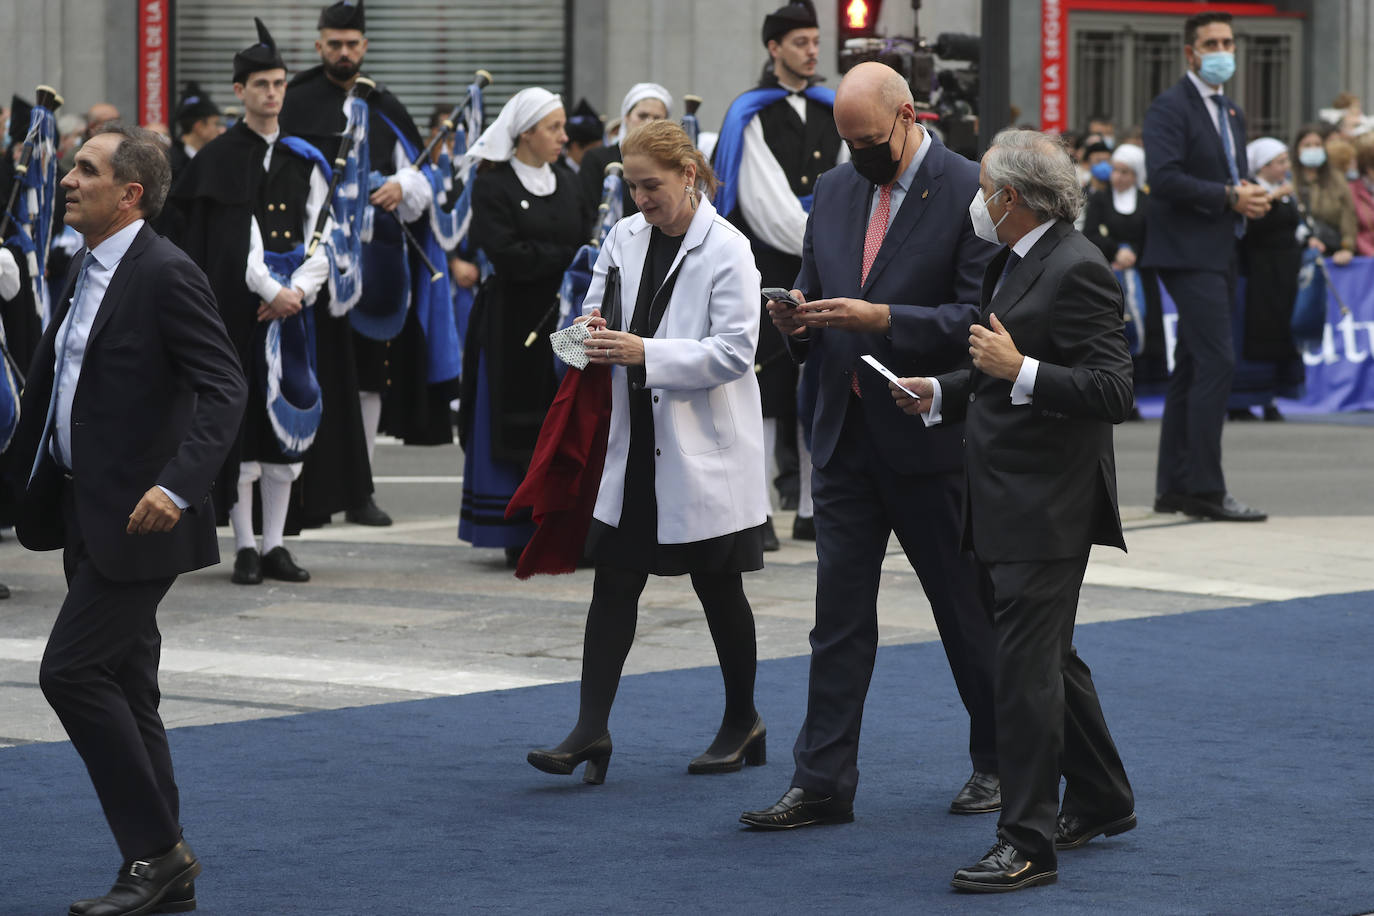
(730,144)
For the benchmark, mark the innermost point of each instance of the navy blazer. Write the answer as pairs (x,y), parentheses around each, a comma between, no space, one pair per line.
(1042,476)
(159,401)
(1188,225)
(929,270)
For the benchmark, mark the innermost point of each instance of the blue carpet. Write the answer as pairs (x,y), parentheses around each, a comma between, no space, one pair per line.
(1247,734)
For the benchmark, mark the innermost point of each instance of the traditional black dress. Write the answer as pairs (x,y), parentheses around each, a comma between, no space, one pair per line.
(590,176)
(1268,362)
(633,544)
(1108,228)
(508,387)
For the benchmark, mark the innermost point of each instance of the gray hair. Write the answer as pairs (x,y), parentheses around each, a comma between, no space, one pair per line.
(141,158)
(1038,168)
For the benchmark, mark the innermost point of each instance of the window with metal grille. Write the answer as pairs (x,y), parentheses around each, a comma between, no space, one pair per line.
(424,51)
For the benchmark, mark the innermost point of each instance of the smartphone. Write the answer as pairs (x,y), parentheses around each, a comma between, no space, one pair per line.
(772,293)
(889,375)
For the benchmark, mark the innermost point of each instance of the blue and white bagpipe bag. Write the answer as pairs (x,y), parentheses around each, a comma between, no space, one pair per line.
(577,279)
(450,217)
(287,377)
(352,216)
(391,280)
(1309,306)
(32,224)
(1133,311)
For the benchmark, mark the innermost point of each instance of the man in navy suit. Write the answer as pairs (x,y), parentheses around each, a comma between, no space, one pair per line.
(891,226)
(1198,206)
(132,401)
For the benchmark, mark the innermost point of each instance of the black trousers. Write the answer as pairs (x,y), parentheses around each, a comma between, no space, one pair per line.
(1195,401)
(1049,721)
(99,674)
(860,502)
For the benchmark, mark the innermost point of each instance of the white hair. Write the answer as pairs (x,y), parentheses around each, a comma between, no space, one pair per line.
(1038,168)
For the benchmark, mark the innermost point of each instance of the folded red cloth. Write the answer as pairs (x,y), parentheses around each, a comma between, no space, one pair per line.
(565,473)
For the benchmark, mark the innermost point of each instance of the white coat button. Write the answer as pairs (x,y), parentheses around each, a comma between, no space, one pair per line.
(972,397)
(524,205)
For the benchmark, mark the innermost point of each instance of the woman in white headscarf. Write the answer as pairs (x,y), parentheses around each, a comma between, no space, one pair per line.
(1114,221)
(1268,364)
(643,104)
(526,219)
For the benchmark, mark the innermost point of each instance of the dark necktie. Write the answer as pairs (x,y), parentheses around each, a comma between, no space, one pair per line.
(1228,144)
(1012,260)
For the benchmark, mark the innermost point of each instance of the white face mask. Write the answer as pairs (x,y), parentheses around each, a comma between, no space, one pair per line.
(983,226)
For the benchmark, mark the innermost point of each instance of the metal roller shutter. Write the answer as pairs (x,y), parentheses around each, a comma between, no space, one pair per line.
(425,51)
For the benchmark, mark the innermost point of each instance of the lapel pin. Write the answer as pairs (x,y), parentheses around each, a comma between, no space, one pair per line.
(925,193)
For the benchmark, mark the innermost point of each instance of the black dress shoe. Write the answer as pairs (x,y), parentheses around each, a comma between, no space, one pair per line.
(368,514)
(144,886)
(980,795)
(770,537)
(804,529)
(180,899)
(800,808)
(247,567)
(1169,502)
(1220,508)
(1072,831)
(1271,414)
(1240,413)
(4,591)
(1002,869)
(513,556)
(753,750)
(562,763)
(277,564)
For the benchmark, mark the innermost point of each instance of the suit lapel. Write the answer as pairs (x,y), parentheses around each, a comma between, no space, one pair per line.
(1025,273)
(114,293)
(857,223)
(1207,111)
(925,185)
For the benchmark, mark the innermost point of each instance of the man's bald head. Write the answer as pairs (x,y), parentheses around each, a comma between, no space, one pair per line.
(872,104)
(875,85)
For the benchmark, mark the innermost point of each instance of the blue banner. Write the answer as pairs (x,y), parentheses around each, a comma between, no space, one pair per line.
(1339,366)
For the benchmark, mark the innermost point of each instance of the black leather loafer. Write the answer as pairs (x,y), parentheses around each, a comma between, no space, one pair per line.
(800,808)
(1072,831)
(277,564)
(145,886)
(247,567)
(1003,869)
(982,794)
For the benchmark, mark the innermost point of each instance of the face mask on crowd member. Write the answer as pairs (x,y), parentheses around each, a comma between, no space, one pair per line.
(1102,171)
(1213,53)
(983,226)
(875,162)
(1314,157)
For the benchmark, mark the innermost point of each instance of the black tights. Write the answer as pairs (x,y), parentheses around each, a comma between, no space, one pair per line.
(611,630)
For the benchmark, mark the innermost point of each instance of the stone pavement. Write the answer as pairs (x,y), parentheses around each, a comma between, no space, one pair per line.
(408,612)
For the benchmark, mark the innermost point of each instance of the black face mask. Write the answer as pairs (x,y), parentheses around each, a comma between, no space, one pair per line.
(875,163)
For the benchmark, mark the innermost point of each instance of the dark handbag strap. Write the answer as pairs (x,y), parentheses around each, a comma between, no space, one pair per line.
(660,304)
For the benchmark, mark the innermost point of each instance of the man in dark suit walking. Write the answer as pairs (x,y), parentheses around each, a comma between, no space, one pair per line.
(1198,206)
(132,400)
(1041,492)
(891,226)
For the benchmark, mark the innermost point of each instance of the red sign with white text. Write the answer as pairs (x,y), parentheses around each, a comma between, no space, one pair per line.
(154,60)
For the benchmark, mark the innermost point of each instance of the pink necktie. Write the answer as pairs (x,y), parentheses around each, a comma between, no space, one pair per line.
(877,228)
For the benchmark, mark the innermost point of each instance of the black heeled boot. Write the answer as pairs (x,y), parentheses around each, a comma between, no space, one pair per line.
(562,763)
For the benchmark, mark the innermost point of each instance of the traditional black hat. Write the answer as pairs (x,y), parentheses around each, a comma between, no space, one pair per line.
(21,113)
(584,124)
(800,14)
(194,105)
(261,56)
(343,15)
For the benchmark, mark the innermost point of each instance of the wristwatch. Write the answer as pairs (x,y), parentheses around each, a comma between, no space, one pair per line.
(1232,196)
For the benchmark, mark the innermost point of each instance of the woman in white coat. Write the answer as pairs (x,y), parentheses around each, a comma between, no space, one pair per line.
(683,489)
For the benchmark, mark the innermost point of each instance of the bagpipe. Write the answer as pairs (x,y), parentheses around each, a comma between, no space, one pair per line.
(30,212)
(288,377)
(451,213)
(578,277)
(347,205)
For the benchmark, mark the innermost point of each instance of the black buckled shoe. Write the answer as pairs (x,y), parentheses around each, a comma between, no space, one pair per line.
(277,564)
(154,885)
(1003,869)
(982,794)
(800,808)
(368,514)
(753,750)
(247,567)
(1072,831)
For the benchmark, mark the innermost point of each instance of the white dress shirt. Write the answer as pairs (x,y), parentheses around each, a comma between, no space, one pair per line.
(312,273)
(1024,387)
(1207,92)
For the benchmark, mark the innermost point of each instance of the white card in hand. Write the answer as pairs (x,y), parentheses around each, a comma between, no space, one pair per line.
(888,374)
(567,344)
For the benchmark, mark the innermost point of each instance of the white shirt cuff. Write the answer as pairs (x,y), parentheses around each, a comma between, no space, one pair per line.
(9,275)
(1024,387)
(937,401)
(181,503)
